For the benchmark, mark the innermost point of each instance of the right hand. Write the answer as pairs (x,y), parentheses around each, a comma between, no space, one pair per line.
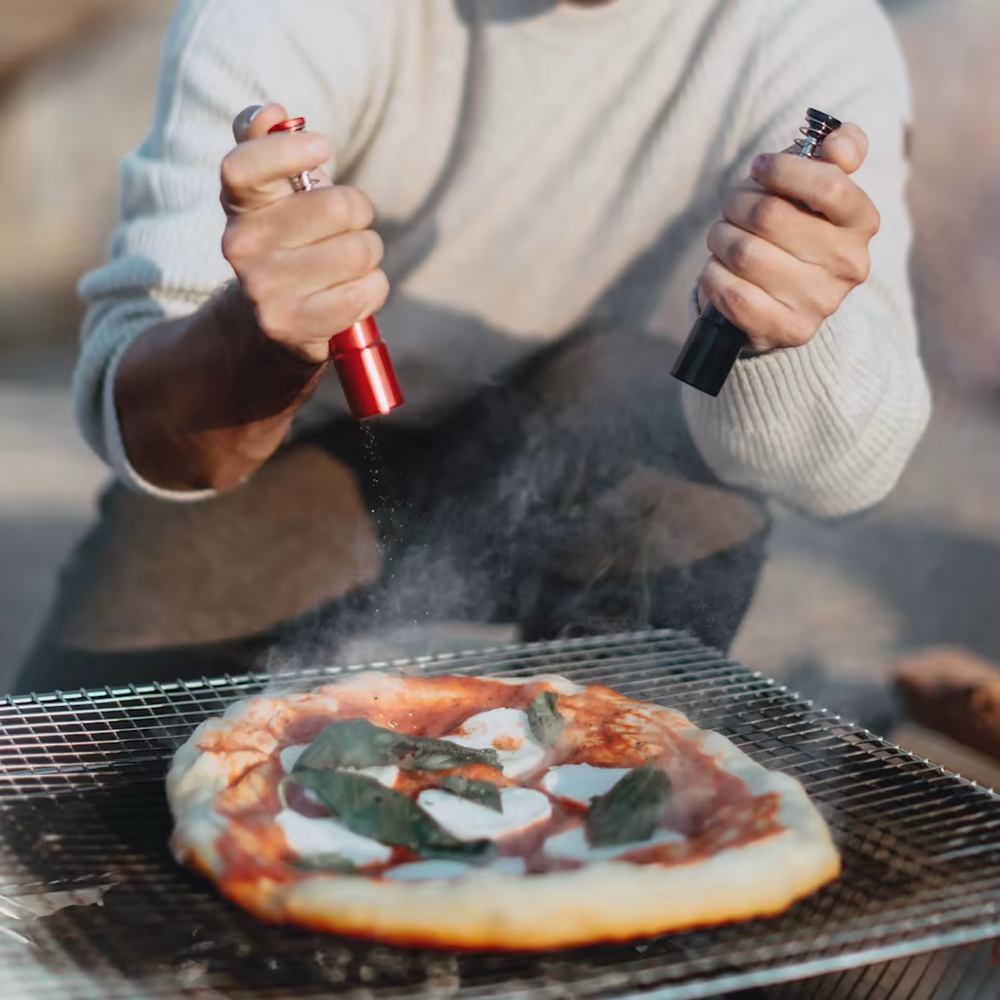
(309,262)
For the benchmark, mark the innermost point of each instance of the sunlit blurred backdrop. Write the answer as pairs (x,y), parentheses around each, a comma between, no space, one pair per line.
(836,605)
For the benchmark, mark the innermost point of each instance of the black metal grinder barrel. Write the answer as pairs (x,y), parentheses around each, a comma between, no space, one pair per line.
(714,343)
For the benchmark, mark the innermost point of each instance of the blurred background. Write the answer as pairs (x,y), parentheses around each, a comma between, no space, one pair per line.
(837,606)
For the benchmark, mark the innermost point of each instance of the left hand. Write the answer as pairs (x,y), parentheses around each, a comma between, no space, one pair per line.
(792,243)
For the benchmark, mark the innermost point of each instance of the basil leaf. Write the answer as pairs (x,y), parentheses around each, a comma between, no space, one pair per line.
(369,809)
(544,719)
(349,743)
(359,743)
(483,792)
(325,863)
(631,810)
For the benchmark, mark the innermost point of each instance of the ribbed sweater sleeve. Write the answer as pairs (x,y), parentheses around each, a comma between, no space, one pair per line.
(827,428)
(219,57)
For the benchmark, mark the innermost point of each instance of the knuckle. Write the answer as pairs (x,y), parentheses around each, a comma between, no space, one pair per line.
(731,204)
(381,283)
(356,253)
(715,241)
(344,257)
(376,250)
(710,281)
(358,211)
(231,245)
(348,210)
(354,299)
(733,300)
(874,222)
(239,244)
(743,254)
(704,292)
(763,215)
(337,209)
(821,299)
(257,289)
(273,317)
(834,187)
(365,209)
(827,302)
(798,330)
(364,296)
(805,330)
(853,265)
(232,171)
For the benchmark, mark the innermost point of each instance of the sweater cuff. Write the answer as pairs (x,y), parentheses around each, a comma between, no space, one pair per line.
(114,444)
(826,428)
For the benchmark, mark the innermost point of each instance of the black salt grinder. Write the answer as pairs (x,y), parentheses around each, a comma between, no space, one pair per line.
(714,343)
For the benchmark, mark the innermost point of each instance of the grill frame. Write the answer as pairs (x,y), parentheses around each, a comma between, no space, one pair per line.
(81,807)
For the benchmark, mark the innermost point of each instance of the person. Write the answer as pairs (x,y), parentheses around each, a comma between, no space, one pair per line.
(524,191)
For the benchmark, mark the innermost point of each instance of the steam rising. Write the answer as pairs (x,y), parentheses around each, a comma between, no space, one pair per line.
(566,499)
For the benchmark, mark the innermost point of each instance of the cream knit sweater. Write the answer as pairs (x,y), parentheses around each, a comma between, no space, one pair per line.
(535,165)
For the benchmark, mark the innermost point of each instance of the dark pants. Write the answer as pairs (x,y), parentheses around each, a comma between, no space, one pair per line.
(567,498)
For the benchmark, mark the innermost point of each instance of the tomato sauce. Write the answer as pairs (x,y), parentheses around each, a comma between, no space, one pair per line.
(418,706)
(713,809)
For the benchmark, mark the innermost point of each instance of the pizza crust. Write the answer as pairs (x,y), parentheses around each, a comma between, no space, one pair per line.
(603,902)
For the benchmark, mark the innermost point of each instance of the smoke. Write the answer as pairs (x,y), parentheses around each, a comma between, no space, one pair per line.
(566,498)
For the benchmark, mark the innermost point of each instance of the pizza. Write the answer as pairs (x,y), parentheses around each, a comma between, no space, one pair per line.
(484,813)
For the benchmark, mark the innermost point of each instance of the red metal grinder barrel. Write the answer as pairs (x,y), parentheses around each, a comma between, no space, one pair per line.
(360,356)
(365,370)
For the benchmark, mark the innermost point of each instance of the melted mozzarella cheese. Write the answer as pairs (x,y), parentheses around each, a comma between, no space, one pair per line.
(308,837)
(505,730)
(420,871)
(507,866)
(383,775)
(522,808)
(582,782)
(289,757)
(423,871)
(572,845)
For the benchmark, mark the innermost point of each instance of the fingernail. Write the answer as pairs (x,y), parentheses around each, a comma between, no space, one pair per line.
(758,164)
(253,114)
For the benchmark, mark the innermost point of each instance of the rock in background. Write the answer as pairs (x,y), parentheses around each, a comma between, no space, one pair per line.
(953,47)
(835,605)
(76,92)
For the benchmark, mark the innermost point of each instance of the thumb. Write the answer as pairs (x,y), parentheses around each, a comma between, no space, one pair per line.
(257,120)
(845,148)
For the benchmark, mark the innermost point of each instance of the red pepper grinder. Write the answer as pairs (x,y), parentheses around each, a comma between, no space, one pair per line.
(360,356)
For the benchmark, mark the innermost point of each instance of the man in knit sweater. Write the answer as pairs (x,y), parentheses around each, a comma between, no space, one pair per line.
(524,190)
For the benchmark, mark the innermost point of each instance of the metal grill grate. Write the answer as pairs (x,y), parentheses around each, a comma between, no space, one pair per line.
(83,821)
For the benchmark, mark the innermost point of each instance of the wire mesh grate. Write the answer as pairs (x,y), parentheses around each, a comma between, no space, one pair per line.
(93,906)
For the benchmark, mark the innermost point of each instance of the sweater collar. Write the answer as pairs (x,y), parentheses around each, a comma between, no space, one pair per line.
(550,15)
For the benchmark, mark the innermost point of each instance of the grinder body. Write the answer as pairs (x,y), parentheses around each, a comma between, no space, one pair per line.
(715,343)
(365,370)
(359,354)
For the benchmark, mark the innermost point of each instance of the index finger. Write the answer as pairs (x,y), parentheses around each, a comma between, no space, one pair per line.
(847,148)
(256,173)
(822,187)
(257,120)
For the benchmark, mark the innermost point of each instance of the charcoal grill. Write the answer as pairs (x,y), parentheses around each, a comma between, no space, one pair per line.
(93,906)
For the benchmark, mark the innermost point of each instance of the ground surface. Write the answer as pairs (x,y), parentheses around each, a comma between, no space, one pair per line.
(836,605)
